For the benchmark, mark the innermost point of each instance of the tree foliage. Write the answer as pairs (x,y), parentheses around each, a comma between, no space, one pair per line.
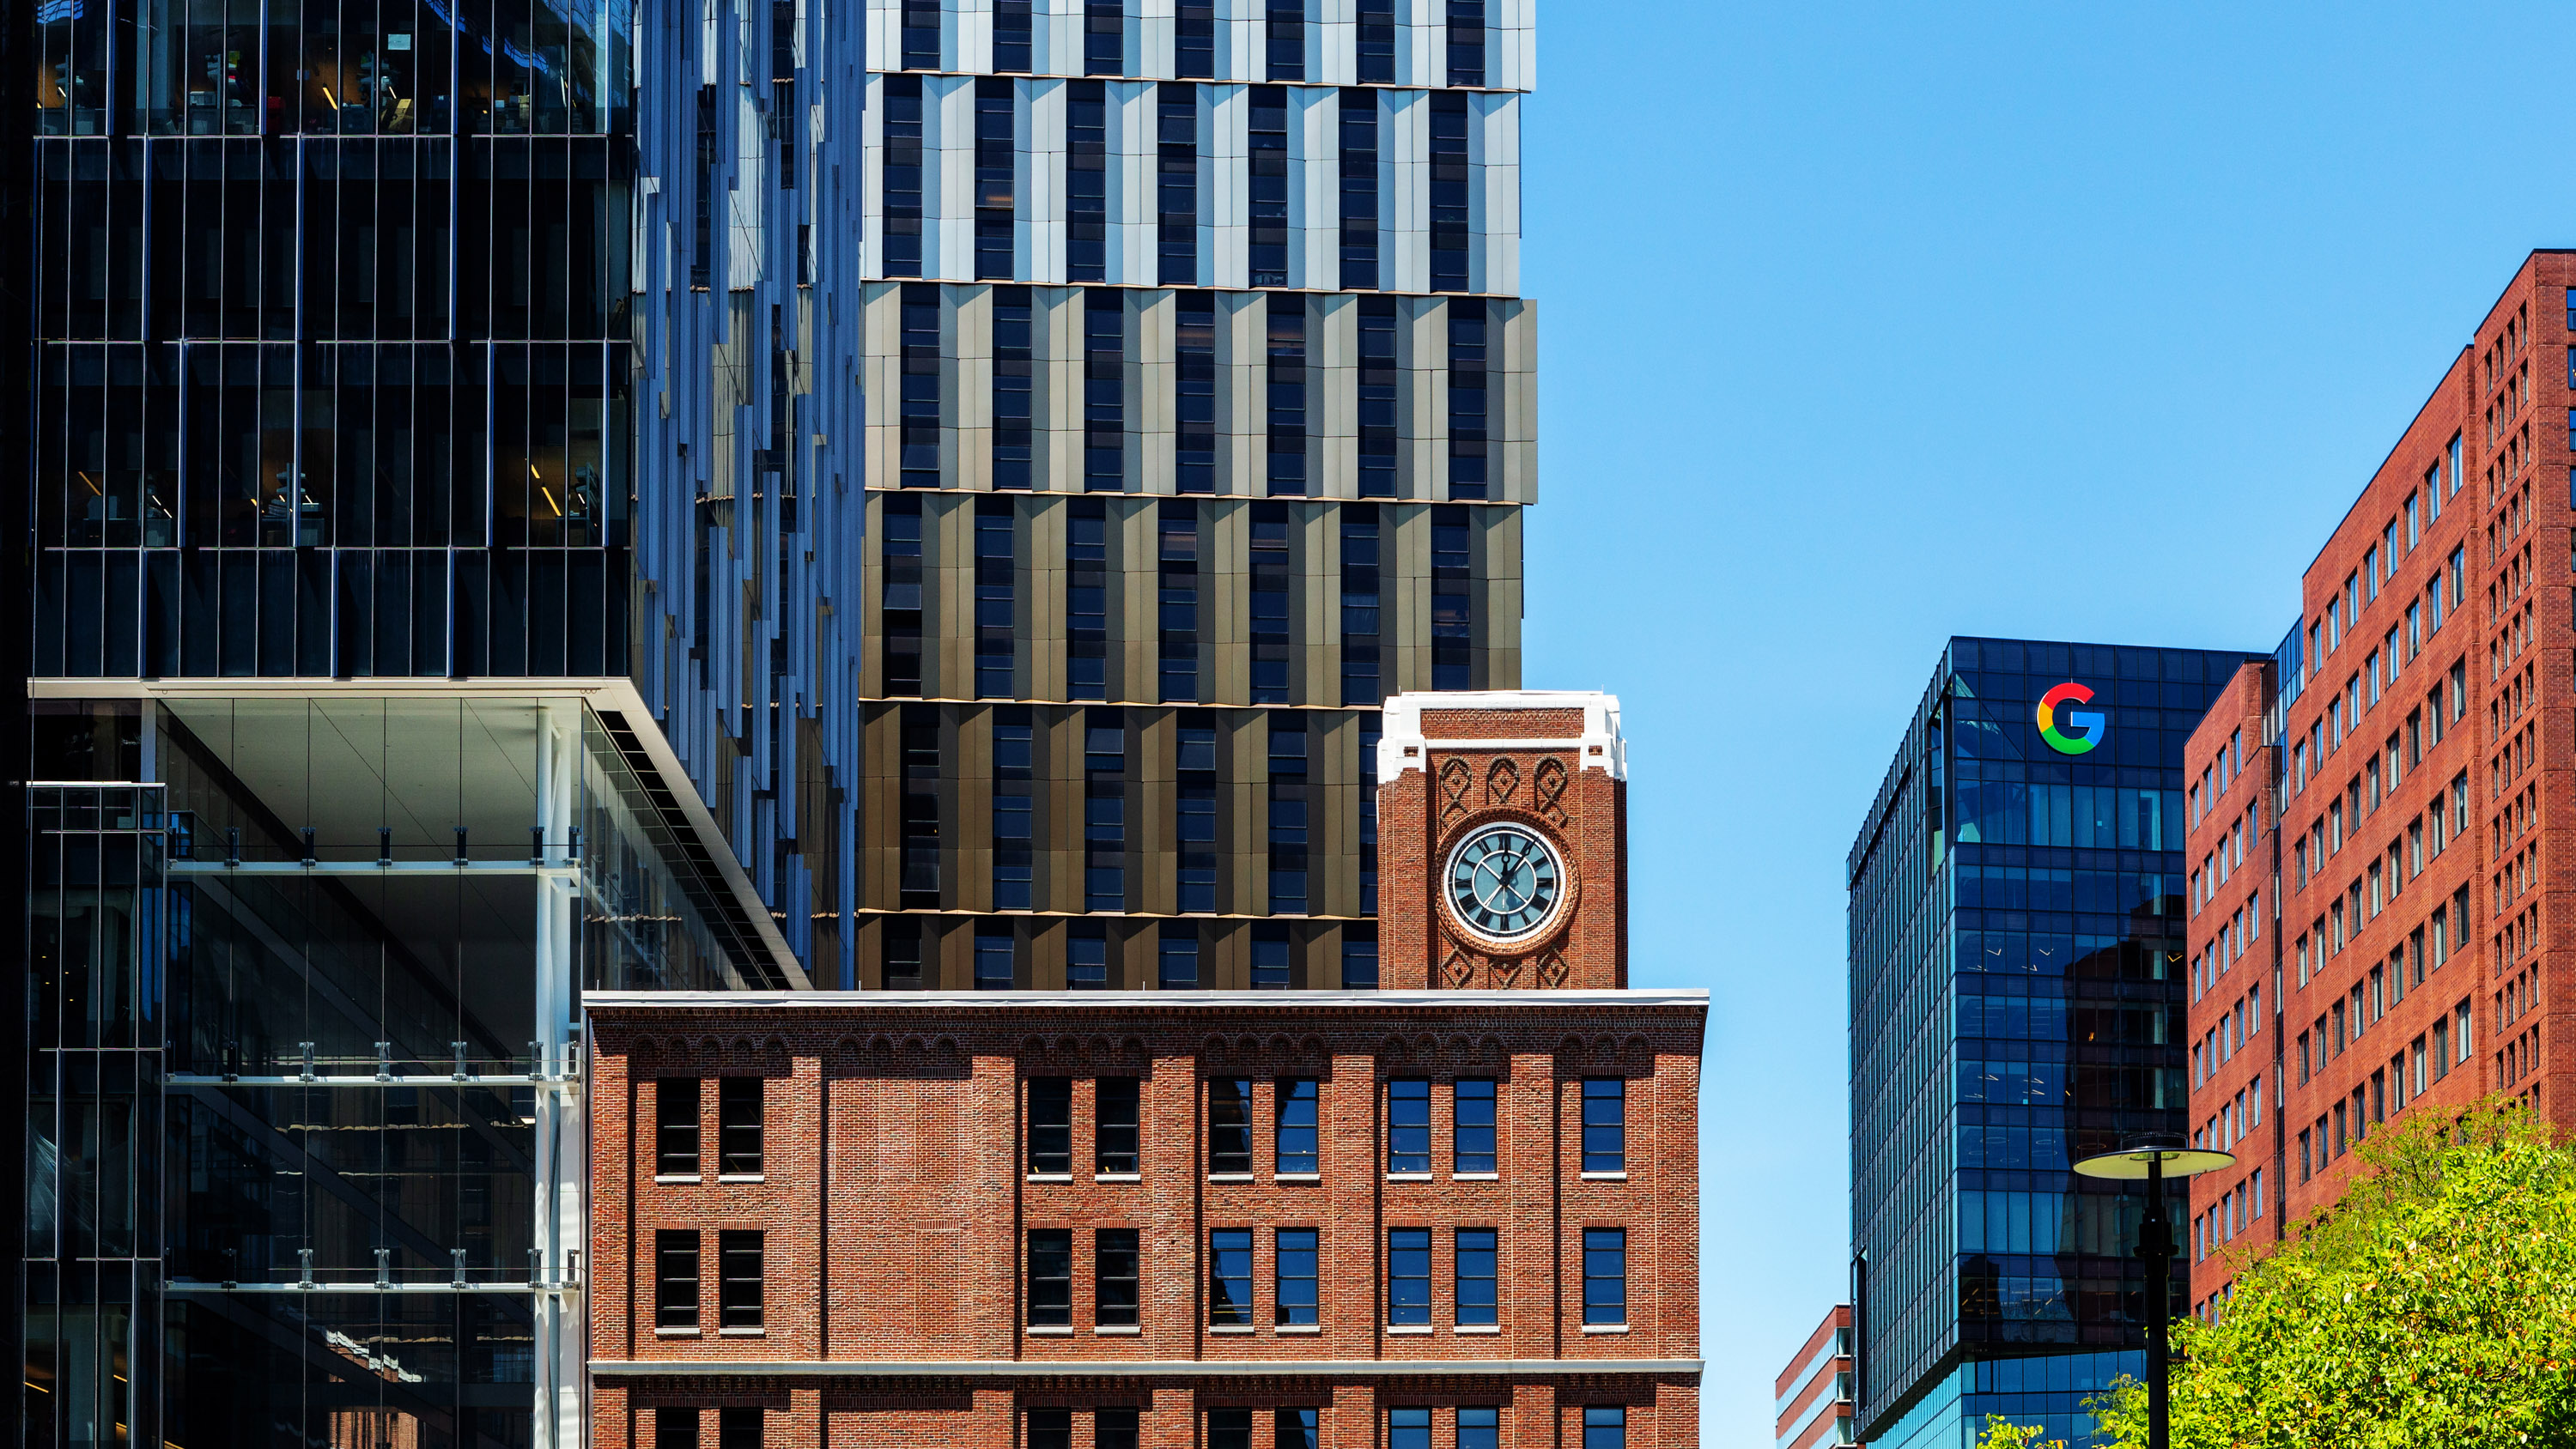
(2002,1433)
(2434,1306)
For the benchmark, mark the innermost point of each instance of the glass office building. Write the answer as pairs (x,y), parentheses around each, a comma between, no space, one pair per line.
(445,513)
(1206,421)
(2017,991)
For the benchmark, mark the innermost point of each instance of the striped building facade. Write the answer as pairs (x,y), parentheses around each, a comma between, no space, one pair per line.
(1202,418)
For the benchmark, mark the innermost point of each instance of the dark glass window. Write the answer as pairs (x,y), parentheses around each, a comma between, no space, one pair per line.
(1086,182)
(1050,1277)
(1178,602)
(1471,1133)
(1229,1125)
(1272,958)
(1408,1125)
(1605,1428)
(738,1295)
(1294,1146)
(1359,960)
(1605,1275)
(1361,680)
(1365,939)
(900,550)
(1469,422)
(1194,392)
(1104,391)
(1011,35)
(920,417)
(1285,37)
(921,751)
(1358,117)
(1050,1428)
(996,961)
(675,1278)
(1466,42)
(1376,36)
(899,251)
(1377,397)
(1453,616)
(1449,191)
(1112,1429)
(1230,1275)
(1178,968)
(996,174)
(1113,1133)
(675,1126)
(1476,1301)
(1014,781)
(1194,812)
(738,1114)
(1104,37)
(1478,1428)
(1050,1124)
(1289,806)
(1287,393)
(1104,809)
(996,612)
(1293,1297)
(1194,39)
(1605,1124)
(1086,599)
(1408,1429)
(1014,373)
(1086,957)
(1266,142)
(1113,1267)
(1408,1275)
(921,34)
(1177,183)
(902,955)
(738,1427)
(675,1428)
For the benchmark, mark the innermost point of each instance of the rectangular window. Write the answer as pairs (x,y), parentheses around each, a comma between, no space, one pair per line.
(1113,1132)
(1471,1127)
(1476,1301)
(1178,963)
(1605,1275)
(1298,1429)
(1051,1124)
(1086,950)
(2441,1050)
(1229,1125)
(1605,1124)
(2460,1034)
(675,1127)
(1230,1275)
(1050,1277)
(1408,1275)
(738,1293)
(1408,1125)
(1605,1428)
(1293,1145)
(1050,1429)
(738,1101)
(1113,1274)
(738,1427)
(675,1278)
(1293,1298)
(996,960)
(1408,1429)
(1479,1428)
(1359,960)
(675,1428)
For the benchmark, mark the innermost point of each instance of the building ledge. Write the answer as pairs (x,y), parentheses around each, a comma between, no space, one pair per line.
(1136,1368)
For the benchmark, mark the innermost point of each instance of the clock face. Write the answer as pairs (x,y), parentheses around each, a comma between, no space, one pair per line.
(1504,882)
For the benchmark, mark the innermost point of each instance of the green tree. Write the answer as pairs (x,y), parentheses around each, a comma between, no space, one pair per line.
(2433,1307)
(2002,1433)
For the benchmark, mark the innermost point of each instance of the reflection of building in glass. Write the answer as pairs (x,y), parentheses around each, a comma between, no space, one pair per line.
(1207,423)
(444,485)
(2016,960)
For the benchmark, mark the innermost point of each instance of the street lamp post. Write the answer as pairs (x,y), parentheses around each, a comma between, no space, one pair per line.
(2155,1158)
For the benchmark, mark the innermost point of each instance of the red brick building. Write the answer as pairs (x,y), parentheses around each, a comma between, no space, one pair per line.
(2379,884)
(1418,1218)
(1813,1394)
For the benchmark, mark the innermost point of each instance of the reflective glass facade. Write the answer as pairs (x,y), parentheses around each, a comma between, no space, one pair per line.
(303,1118)
(2017,991)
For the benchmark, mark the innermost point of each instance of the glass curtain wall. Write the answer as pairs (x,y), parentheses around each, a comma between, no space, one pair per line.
(305,1136)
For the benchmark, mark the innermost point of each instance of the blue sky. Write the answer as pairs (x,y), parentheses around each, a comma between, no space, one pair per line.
(1864,325)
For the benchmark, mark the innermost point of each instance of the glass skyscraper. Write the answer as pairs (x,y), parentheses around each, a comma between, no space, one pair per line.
(2017,993)
(1203,421)
(444,513)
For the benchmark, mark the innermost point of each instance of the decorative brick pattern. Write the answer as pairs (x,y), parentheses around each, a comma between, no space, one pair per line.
(1502,724)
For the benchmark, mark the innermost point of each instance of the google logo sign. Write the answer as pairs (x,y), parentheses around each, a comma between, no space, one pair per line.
(2089,724)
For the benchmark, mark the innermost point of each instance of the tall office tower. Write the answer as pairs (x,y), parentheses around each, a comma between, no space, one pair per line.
(1454,1217)
(2017,960)
(436,525)
(1204,424)
(1813,1393)
(2405,797)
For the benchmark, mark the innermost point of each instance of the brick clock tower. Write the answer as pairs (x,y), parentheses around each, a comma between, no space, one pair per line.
(1458,1211)
(1503,841)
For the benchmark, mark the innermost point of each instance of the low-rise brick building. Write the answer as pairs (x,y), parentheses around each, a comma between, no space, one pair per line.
(1421,1217)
